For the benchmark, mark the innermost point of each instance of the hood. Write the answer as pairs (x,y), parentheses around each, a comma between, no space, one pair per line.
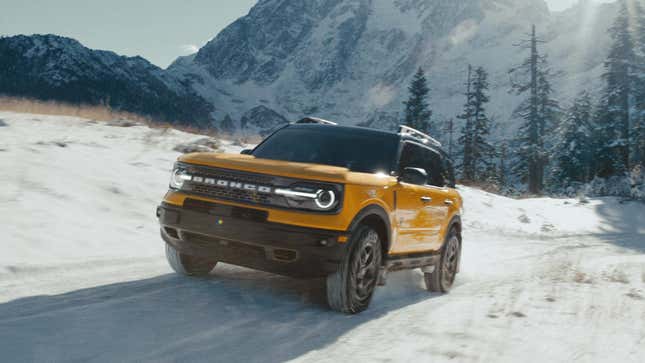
(289,169)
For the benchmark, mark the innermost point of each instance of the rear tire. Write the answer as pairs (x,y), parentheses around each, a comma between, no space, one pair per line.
(350,289)
(188,265)
(443,276)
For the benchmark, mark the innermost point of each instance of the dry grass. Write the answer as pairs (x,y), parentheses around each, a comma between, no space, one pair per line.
(617,276)
(91,112)
(99,113)
(582,278)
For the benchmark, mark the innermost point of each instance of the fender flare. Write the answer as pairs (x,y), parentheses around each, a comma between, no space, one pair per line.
(373,210)
(456,220)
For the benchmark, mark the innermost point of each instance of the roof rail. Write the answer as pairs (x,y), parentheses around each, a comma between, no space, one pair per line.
(315,120)
(425,138)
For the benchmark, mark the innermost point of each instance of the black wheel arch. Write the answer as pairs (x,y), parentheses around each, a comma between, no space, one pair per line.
(455,222)
(376,217)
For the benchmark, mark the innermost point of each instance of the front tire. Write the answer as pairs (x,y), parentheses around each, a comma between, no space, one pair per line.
(350,289)
(188,265)
(443,276)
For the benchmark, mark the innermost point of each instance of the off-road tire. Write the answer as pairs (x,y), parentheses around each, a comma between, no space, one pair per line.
(443,276)
(188,265)
(350,289)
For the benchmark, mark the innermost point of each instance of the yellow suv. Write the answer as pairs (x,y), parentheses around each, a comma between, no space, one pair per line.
(315,199)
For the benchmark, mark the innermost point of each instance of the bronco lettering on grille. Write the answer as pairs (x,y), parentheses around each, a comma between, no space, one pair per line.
(234,185)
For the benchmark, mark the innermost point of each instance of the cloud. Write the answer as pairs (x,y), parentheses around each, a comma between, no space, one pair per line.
(190,48)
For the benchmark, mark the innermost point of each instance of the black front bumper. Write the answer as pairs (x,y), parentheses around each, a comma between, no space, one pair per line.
(242,236)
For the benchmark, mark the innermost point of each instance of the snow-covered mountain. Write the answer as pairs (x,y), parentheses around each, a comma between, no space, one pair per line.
(50,67)
(351,60)
(345,60)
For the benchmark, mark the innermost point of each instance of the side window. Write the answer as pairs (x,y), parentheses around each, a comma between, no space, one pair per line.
(412,156)
(438,168)
(434,165)
(449,172)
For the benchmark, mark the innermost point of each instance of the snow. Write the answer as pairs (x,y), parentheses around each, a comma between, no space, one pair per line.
(83,276)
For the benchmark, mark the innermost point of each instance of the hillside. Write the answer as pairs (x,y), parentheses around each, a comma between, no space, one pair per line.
(83,276)
(53,68)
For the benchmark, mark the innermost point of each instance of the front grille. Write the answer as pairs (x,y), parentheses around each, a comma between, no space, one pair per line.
(246,187)
(228,193)
(238,176)
(231,194)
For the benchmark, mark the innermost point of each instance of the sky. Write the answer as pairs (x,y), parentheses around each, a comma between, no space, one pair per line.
(158,30)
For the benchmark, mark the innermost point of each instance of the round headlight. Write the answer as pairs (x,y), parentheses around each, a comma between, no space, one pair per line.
(325,199)
(178,177)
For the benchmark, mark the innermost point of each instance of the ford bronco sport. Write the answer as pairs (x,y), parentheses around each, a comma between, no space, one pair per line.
(315,199)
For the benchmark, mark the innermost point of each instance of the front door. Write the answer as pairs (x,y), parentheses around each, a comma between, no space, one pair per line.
(413,213)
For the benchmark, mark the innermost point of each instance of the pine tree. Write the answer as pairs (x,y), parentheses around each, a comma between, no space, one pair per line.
(227,125)
(502,172)
(615,126)
(468,170)
(548,114)
(538,112)
(638,140)
(478,152)
(417,108)
(574,152)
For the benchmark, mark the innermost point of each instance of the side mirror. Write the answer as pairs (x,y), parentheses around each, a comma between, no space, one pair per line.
(416,176)
(246,152)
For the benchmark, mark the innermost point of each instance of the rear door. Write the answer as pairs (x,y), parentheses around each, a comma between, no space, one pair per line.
(439,208)
(414,209)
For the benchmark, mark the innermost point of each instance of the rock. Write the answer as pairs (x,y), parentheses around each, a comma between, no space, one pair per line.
(123,123)
(262,119)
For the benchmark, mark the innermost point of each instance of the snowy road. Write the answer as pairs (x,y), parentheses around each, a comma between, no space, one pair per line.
(83,277)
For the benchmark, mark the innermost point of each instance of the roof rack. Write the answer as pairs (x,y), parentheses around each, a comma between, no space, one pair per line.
(315,120)
(409,131)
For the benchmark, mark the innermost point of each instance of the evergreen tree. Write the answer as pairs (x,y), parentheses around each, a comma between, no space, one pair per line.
(548,114)
(465,140)
(573,154)
(227,125)
(417,108)
(478,152)
(502,167)
(614,127)
(638,140)
(538,111)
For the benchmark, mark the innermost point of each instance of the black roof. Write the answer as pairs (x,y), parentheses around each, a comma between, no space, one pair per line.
(345,129)
(356,130)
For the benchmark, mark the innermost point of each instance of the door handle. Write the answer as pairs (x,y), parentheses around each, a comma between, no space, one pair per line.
(448,202)
(426,199)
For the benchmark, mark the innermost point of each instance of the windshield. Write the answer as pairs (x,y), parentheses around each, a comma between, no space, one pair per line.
(365,152)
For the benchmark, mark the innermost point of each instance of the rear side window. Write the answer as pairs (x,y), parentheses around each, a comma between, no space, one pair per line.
(449,172)
(438,168)
(435,168)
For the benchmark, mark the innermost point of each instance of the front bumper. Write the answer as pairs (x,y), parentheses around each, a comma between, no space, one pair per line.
(243,237)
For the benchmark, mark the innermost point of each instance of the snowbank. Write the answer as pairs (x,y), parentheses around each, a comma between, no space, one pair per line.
(83,277)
